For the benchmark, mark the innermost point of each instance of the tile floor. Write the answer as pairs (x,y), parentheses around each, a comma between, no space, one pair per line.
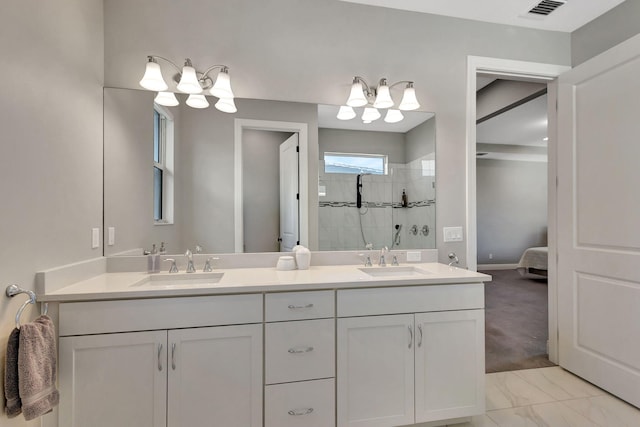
(550,397)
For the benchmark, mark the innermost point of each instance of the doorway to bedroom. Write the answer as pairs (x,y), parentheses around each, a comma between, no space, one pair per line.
(511,202)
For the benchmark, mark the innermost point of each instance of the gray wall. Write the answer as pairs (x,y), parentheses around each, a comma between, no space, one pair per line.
(207,162)
(420,141)
(51,151)
(308,51)
(512,209)
(362,142)
(261,189)
(128,175)
(606,31)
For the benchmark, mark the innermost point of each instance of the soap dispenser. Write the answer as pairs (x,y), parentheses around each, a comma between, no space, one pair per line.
(154,260)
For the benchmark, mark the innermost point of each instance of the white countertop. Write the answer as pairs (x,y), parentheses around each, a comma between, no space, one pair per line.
(110,286)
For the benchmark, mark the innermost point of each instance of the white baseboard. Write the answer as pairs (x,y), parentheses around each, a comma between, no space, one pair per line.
(497,266)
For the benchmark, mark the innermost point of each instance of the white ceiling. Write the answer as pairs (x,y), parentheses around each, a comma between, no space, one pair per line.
(567,18)
(327,119)
(525,124)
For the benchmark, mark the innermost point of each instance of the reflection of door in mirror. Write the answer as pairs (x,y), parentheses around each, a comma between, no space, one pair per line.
(262,188)
(289,194)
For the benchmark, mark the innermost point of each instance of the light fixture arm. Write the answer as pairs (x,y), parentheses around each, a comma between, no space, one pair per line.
(152,58)
(222,68)
(368,91)
(401,82)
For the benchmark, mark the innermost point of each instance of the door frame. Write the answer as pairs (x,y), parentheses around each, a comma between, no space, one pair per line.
(303,174)
(526,70)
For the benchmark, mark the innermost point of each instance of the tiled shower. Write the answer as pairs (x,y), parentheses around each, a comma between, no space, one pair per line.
(342,226)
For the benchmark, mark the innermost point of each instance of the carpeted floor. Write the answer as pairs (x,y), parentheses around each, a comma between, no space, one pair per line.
(516,322)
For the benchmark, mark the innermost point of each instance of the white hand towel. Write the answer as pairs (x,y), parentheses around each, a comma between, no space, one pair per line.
(37,365)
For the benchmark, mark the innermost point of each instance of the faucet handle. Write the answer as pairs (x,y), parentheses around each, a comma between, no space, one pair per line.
(367,260)
(394,261)
(174,267)
(207,265)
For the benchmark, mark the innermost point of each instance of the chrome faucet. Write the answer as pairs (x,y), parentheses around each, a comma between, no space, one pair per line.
(381,261)
(394,260)
(207,265)
(190,267)
(173,268)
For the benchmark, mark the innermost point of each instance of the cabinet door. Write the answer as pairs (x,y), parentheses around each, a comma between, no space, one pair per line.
(449,364)
(113,380)
(375,373)
(215,376)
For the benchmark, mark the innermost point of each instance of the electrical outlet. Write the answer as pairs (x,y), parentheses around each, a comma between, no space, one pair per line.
(490,256)
(452,234)
(95,238)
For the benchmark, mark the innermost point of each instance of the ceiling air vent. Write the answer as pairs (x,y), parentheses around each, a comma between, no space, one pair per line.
(545,7)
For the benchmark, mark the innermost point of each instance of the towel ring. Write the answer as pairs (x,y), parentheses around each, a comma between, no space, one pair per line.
(13,290)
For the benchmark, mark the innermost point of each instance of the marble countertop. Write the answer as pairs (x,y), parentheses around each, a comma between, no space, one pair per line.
(111,286)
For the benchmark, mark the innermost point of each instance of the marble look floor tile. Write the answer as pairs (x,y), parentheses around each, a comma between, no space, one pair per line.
(479,421)
(553,414)
(606,411)
(559,384)
(508,390)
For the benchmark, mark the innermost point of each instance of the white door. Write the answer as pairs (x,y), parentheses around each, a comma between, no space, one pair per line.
(375,372)
(113,380)
(289,193)
(449,353)
(599,220)
(215,376)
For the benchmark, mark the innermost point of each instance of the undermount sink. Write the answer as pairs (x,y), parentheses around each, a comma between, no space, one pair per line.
(405,271)
(184,279)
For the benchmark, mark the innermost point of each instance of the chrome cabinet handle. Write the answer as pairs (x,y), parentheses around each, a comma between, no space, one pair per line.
(173,356)
(300,307)
(298,350)
(410,336)
(159,359)
(420,340)
(298,412)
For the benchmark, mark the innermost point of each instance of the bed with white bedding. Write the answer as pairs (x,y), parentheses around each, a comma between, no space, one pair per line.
(534,262)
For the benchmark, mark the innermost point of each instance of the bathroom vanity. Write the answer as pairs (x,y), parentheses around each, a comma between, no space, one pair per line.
(247,347)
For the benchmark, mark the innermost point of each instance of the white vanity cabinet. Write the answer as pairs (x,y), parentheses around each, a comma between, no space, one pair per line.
(426,364)
(164,377)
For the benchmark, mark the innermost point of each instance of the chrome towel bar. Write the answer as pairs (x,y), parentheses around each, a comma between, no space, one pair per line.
(13,290)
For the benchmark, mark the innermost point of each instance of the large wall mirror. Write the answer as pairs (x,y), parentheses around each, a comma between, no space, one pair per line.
(170,177)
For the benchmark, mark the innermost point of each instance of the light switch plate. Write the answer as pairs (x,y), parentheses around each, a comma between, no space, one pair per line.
(414,256)
(95,238)
(112,236)
(452,234)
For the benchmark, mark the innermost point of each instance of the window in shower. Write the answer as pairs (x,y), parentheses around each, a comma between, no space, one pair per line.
(162,166)
(375,164)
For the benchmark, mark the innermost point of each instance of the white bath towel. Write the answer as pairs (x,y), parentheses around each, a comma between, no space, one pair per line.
(37,365)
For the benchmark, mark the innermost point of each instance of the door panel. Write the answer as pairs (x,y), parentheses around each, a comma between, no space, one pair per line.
(215,374)
(598,227)
(289,193)
(113,380)
(449,364)
(375,371)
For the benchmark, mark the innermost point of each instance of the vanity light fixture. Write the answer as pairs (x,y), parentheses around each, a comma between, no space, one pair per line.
(192,82)
(364,95)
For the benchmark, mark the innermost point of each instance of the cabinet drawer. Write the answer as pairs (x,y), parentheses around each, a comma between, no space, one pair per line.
(410,299)
(300,350)
(82,318)
(304,404)
(299,305)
